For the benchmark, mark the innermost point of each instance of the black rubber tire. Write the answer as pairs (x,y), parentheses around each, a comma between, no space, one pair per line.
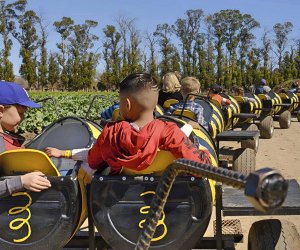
(298,115)
(273,234)
(253,144)
(244,160)
(266,127)
(285,120)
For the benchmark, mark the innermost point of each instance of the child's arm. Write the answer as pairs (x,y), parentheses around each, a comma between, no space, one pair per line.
(94,157)
(249,99)
(75,154)
(34,181)
(8,186)
(180,146)
(54,152)
(226,101)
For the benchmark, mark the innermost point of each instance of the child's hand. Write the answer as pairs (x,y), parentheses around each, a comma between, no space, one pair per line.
(35,181)
(54,152)
(194,124)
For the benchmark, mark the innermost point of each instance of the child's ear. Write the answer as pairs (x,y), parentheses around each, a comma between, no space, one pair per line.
(128,104)
(1,110)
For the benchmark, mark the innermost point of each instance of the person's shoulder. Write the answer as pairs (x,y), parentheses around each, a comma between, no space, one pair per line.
(116,124)
(113,128)
(161,124)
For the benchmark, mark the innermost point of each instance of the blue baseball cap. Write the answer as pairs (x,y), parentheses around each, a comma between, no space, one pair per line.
(12,93)
(263,81)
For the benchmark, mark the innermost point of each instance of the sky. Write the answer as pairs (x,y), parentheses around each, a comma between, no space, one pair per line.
(149,13)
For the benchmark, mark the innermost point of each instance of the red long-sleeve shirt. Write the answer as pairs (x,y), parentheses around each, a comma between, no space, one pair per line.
(121,145)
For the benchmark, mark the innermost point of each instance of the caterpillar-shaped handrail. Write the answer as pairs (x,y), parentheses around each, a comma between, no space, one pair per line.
(164,186)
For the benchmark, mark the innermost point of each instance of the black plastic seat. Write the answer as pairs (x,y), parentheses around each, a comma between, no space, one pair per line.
(54,214)
(120,204)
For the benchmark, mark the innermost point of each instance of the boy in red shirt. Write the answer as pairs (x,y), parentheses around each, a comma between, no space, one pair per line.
(214,94)
(133,142)
(14,101)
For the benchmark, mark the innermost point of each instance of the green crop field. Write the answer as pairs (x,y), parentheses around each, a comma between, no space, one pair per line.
(65,104)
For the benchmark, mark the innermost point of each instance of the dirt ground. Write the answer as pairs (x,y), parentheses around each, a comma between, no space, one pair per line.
(281,152)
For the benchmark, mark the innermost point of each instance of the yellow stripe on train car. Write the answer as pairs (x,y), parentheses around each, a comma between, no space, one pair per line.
(219,117)
(258,105)
(204,137)
(95,131)
(214,130)
(217,122)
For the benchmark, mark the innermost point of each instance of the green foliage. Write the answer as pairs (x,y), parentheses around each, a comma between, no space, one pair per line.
(9,13)
(281,32)
(64,104)
(29,40)
(53,74)
(42,68)
(218,48)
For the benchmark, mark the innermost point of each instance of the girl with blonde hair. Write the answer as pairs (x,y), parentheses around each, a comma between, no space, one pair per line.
(170,88)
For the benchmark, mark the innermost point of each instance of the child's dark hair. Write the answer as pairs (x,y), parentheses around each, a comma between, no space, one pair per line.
(138,81)
(215,88)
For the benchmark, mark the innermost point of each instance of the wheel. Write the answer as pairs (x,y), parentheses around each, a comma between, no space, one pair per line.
(266,127)
(244,160)
(298,115)
(273,234)
(285,119)
(253,144)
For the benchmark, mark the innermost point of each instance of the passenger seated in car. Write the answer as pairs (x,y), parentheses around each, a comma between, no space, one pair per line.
(266,90)
(239,91)
(133,142)
(170,89)
(295,88)
(14,102)
(108,114)
(190,85)
(214,94)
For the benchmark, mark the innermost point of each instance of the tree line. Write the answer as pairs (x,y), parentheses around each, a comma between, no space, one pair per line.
(220,47)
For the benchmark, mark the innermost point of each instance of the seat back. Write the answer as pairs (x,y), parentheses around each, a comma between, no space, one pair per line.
(169,102)
(21,161)
(240,99)
(187,113)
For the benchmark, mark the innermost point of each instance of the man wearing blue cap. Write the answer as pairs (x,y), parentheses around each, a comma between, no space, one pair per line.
(14,102)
